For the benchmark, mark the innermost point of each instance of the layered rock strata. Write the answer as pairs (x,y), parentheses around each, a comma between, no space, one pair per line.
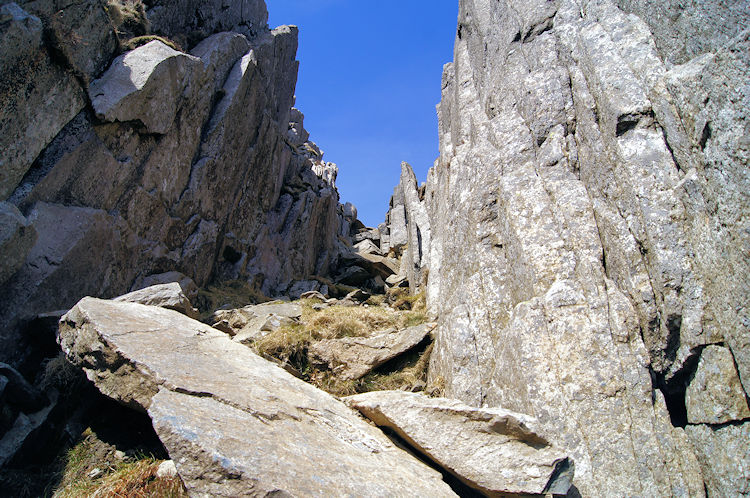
(234,424)
(157,161)
(588,257)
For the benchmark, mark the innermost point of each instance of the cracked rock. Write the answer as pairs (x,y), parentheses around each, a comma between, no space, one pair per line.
(354,357)
(715,395)
(234,424)
(494,451)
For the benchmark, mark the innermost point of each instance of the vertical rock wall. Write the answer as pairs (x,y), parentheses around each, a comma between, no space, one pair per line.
(155,160)
(590,242)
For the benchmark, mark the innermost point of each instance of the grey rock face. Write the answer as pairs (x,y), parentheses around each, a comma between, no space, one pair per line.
(189,167)
(715,395)
(234,424)
(17,236)
(409,228)
(80,31)
(723,453)
(354,357)
(193,19)
(27,126)
(589,211)
(492,450)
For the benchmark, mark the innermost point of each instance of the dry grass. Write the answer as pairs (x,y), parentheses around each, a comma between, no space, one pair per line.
(401,299)
(134,478)
(128,18)
(139,41)
(289,342)
(290,345)
(407,373)
(61,374)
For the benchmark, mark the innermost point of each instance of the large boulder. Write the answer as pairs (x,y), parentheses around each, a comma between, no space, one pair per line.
(233,423)
(169,296)
(146,85)
(354,357)
(495,451)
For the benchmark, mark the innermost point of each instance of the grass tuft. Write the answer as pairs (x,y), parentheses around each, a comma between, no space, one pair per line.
(134,477)
(128,17)
(290,344)
(139,41)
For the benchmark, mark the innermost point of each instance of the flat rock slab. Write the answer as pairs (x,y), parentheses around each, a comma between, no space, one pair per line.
(235,424)
(495,451)
(354,357)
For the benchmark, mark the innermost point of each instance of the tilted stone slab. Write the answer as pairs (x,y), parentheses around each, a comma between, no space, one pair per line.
(495,451)
(169,296)
(354,357)
(234,424)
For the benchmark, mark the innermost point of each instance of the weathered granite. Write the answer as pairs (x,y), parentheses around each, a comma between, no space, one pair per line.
(145,84)
(715,395)
(192,168)
(588,217)
(30,79)
(197,19)
(234,424)
(409,228)
(724,452)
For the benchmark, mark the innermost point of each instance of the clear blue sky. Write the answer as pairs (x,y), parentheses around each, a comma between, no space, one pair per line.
(368,84)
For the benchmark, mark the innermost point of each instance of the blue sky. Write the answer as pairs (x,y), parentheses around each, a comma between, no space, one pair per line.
(368,84)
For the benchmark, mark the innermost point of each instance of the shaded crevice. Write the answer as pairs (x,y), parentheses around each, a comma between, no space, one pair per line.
(674,389)
(458,486)
(630,121)
(538,29)
(705,135)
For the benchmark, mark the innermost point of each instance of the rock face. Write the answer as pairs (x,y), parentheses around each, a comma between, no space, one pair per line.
(16,239)
(588,257)
(492,450)
(407,228)
(234,424)
(156,161)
